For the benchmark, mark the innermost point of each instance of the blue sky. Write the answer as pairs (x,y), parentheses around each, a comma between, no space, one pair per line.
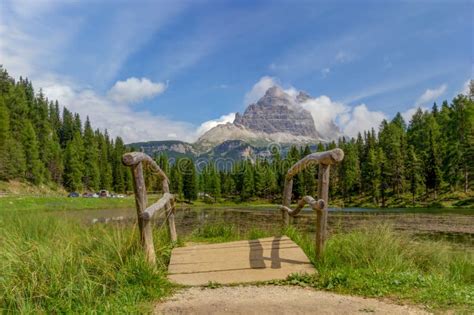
(154,70)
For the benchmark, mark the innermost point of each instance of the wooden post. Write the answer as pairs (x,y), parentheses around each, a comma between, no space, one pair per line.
(170,206)
(145,226)
(288,189)
(322,214)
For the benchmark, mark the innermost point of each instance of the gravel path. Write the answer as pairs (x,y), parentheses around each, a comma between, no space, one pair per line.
(274,300)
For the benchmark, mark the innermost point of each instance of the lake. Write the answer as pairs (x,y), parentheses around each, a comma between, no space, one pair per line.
(454,225)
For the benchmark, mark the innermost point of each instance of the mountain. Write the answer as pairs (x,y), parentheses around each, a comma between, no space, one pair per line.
(278,112)
(172,148)
(276,118)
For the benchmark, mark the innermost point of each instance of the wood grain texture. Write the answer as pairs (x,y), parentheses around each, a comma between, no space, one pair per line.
(327,157)
(141,199)
(157,206)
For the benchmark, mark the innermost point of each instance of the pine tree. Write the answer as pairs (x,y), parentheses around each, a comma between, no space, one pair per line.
(4,140)
(247,182)
(432,168)
(176,180)
(67,127)
(189,179)
(413,171)
(105,168)
(34,170)
(119,171)
(350,170)
(74,163)
(462,131)
(373,172)
(91,177)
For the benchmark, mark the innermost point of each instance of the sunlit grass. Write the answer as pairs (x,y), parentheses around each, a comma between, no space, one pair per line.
(50,203)
(379,262)
(51,265)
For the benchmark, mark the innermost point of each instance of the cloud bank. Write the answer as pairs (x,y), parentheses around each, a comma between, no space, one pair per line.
(118,117)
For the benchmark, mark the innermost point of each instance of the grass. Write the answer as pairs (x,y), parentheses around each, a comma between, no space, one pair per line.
(378,262)
(220,232)
(52,203)
(51,265)
(445,199)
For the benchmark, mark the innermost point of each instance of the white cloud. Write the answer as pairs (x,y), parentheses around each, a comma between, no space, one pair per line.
(428,96)
(361,118)
(465,88)
(259,89)
(207,125)
(325,113)
(431,94)
(135,90)
(350,120)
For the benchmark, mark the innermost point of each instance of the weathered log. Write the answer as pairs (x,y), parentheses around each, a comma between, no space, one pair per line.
(146,235)
(133,158)
(171,221)
(157,206)
(322,216)
(171,206)
(287,190)
(315,205)
(328,157)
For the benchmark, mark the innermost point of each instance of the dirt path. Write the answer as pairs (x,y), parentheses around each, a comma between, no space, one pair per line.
(274,300)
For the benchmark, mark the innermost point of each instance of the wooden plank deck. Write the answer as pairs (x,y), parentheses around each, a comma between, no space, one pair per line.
(264,259)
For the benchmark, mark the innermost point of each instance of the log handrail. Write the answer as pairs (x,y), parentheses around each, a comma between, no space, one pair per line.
(135,160)
(156,207)
(325,160)
(315,205)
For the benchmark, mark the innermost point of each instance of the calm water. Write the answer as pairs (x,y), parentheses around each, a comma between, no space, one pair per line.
(455,225)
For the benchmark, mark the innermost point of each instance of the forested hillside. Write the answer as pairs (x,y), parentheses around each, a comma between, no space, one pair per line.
(40,145)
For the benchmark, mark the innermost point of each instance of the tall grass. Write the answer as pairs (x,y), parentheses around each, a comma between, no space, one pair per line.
(377,262)
(220,232)
(51,265)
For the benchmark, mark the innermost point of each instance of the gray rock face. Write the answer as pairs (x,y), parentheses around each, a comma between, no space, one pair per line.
(276,112)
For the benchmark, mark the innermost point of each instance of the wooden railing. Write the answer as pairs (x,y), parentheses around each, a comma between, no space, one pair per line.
(164,206)
(325,160)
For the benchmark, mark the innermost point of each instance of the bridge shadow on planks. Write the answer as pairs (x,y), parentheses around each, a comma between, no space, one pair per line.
(264,259)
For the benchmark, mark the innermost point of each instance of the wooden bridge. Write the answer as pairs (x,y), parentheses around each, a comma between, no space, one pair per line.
(264,259)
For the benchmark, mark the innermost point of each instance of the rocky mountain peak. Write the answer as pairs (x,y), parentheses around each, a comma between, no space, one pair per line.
(278,112)
(302,97)
(275,96)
